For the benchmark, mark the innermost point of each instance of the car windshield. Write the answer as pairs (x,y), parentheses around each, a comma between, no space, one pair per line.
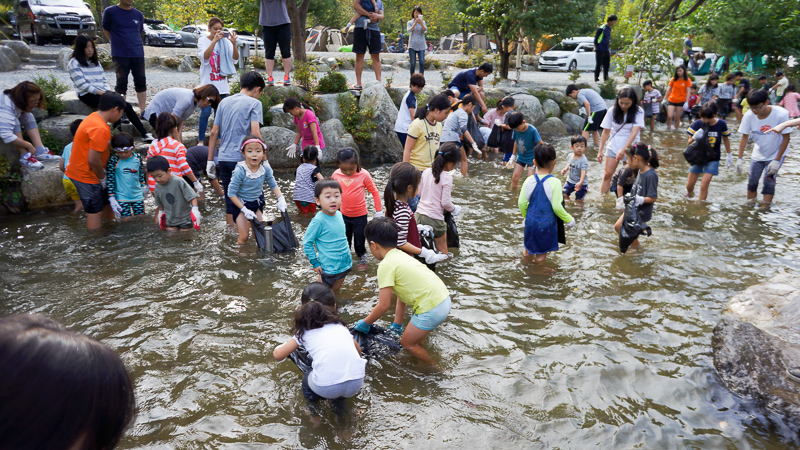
(160,27)
(73,3)
(564,47)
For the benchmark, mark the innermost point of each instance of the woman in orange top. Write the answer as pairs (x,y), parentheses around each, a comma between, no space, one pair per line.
(677,93)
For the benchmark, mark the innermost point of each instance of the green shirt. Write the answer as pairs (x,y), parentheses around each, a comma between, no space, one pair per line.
(412,282)
(552,188)
(176,199)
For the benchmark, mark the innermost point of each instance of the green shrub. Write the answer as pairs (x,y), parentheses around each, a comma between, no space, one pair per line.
(356,122)
(608,89)
(234,87)
(52,88)
(446,78)
(105,60)
(463,63)
(305,74)
(575,75)
(334,82)
(53,143)
(258,62)
(10,184)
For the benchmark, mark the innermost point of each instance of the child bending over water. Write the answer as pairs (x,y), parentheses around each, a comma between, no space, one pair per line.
(645,189)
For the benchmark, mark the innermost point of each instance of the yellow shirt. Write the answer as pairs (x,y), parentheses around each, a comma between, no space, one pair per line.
(412,282)
(427,143)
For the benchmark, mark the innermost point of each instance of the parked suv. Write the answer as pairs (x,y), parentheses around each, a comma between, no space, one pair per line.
(41,21)
(569,54)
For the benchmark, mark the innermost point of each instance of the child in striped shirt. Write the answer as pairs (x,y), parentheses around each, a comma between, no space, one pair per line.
(170,148)
(306,176)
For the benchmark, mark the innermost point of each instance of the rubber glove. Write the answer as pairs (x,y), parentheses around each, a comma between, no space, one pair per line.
(511,161)
(475,147)
(281,204)
(570,225)
(432,257)
(456,210)
(291,151)
(198,186)
(739,163)
(589,120)
(361,326)
(379,214)
(773,167)
(145,191)
(249,215)
(115,206)
(211,170)
(638,201)
(497,122)
(161,219)
(729,161)
(396,329)
(196,217)
(103,183)
(698,134)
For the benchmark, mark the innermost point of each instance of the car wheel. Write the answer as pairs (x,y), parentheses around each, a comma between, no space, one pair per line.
(36,38)
(573,65)
(543,70)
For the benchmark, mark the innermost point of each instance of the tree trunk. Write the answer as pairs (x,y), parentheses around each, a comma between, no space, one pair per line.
(465,46)
(298,12)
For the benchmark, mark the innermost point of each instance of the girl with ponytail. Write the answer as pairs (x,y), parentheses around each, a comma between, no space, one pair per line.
(424,133)
(434,190)
(307,127)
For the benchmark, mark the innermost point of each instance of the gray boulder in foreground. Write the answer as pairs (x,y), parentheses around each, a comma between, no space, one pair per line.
(9,60)
(755,342)
(336,138)
(531,108)
(573,122)
(277,139)
(44,187)
(552,127)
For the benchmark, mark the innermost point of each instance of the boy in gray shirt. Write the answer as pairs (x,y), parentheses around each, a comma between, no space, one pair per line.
(456,125)
(578,167)
(175,199)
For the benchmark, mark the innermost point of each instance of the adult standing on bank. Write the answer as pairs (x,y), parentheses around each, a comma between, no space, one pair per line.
(416,40)
(277,30)
(123,26)
(218,53)
(602,48)
(367,38)
(687,51)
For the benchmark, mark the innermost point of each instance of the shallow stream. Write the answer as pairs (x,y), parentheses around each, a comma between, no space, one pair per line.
(608,350)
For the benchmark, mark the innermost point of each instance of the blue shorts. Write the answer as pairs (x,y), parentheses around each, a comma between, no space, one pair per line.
(711,167)
(569,188)
(427,321)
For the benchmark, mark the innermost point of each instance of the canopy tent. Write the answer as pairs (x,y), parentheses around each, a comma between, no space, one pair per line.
(450,43)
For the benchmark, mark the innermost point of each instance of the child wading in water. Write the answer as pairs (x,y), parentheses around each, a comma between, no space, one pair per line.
(305,177)
(127,181)
(645,189)
(246,189)
(324,242)
(578,167)
(401,276)
(337,369)
(307,126)
(434,190)
(354,181)
(540,204)
(173,150)
(717,134)
(526,137)
(174,198)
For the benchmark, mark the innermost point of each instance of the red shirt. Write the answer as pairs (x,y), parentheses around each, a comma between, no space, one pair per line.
(175,152)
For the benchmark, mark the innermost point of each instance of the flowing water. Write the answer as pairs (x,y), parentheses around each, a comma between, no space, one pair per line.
(607,350)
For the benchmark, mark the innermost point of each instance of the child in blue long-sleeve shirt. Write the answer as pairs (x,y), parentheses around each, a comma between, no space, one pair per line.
(246,189)
(325,241)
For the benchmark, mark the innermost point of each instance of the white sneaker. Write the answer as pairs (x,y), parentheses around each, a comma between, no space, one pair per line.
(31,161)
(47,155)
(148,138)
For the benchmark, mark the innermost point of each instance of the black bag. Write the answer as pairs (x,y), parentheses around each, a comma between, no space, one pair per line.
(632,225)
(474,131)
(378,343)
(258,230)
(662,114)
(698,152)
(283,237)
(494,137)
(426,241)
(452,230)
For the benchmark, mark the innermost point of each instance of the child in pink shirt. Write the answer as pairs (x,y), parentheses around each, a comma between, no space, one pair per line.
(434,193)
(307,127)
(354,180)
(790,102)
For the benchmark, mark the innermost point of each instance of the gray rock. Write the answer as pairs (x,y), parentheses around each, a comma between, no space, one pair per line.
(403,65)
(345,64)
(330,106)
(277,139)
(635,87)
(190,138)
(58,126)
(531,108)
(397,94)
(73,105)
(186,65)
(556,96)
(9,60)
(282,119)
(758,338)
(22,49)
(283,91)
(336,138)
(39,113)
(573,122)
(330,62)
(63,58)
(552,127)
(551,108)
(9,151)
(383,145)
(44,187)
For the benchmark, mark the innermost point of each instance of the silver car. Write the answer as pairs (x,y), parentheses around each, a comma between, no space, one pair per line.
(41,21)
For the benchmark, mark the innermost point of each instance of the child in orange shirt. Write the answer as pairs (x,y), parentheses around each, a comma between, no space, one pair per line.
(354,180)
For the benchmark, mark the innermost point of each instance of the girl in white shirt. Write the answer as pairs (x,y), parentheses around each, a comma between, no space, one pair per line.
(621,127)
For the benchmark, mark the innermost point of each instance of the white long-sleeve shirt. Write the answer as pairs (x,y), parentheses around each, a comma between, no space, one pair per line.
(87,80)
(12,119)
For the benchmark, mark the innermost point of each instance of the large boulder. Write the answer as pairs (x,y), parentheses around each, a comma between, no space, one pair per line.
(551,108)
(58,126)
(531,108)
(73,105)
(277,139)
(63,58)
(756,341)
(283,91)
(573,122)
(186,65)
(22,49)
(282,119)
(336,138)
(552,127)
(329,106)
(44,187)
(9,60)
(397,94)
(383,145)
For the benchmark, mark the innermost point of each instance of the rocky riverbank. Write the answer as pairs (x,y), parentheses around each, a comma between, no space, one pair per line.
(755,342)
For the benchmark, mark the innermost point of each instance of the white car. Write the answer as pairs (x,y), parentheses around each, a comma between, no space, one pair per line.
(569,54)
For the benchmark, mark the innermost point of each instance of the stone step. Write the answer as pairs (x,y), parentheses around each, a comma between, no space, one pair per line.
(44,57)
